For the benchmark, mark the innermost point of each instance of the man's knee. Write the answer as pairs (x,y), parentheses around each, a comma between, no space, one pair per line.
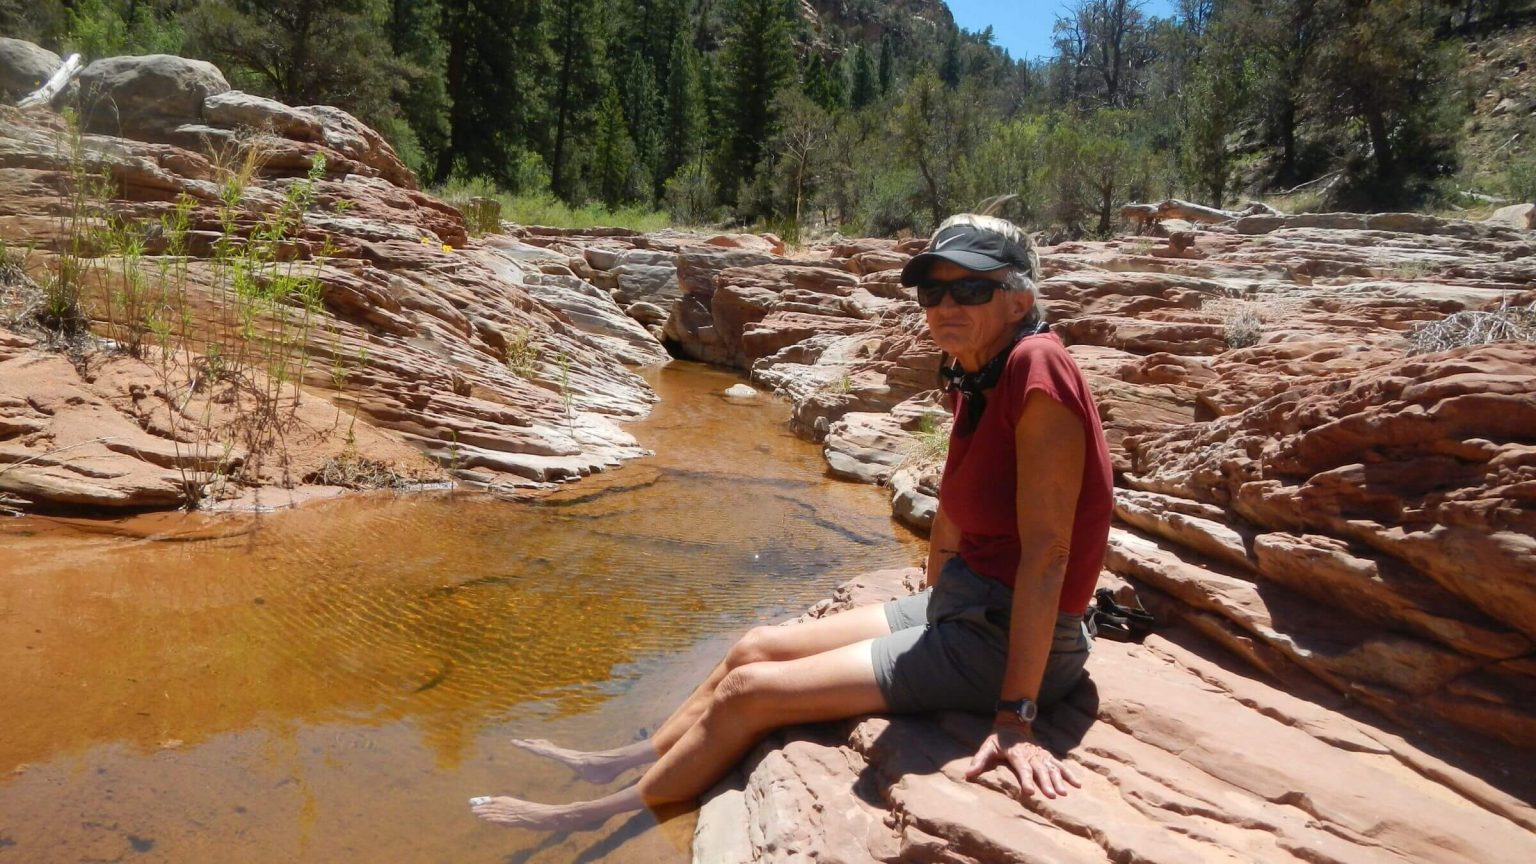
(746,688)
(758,645)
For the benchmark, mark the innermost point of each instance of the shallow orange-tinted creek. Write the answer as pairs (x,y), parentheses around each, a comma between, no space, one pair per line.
(331,683)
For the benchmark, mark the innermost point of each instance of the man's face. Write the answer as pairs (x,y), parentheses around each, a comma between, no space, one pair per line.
(973,334)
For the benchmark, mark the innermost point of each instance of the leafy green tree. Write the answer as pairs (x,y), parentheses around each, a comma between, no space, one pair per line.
(1213,103)
(108,28)
(1282,37)
(1091,163)
(300,52)
(1010,160)
(757,60)
(934,128)
(1380,66)
(804,135)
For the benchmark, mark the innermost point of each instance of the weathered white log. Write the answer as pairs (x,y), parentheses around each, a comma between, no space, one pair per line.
(1189,211)
(43,95)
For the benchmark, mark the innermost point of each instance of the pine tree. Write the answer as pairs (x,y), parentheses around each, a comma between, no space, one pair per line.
(420,91)
(949,67)
(499,61)
(863,90)
(887,65)
(613,159)
(641,100)
(1103,48)
(579,83)
(1380,66)
(683,142)
(822,84)
(757,60)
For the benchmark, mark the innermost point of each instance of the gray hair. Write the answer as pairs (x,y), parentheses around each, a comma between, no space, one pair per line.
(1015,279)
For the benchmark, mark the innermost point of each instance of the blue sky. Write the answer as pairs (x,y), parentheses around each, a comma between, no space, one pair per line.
(1024,26)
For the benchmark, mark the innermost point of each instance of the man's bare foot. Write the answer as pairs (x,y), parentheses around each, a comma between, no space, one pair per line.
(517,813)
(599,768)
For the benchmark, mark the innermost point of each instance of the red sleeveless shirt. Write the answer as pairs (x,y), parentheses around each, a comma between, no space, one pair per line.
(978,490)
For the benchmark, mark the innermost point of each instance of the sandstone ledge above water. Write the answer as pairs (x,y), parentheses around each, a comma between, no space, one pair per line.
(1184,757)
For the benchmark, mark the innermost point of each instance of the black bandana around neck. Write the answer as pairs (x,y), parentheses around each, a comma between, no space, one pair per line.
(972,384)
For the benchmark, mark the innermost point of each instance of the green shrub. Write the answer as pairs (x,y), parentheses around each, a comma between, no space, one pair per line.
(1520,180)
(543,208)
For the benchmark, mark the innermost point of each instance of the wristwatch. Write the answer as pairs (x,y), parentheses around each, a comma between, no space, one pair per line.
(1022,709)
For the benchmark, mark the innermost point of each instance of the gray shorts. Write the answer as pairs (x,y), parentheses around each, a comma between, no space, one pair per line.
(948,646)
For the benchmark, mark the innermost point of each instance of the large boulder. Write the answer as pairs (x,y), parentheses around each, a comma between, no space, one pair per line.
(350,146)
(145,97)
(24,67)
(1515,216)
(234,109)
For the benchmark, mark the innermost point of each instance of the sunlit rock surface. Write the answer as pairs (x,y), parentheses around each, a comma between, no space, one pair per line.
(1185,754)
(505,370)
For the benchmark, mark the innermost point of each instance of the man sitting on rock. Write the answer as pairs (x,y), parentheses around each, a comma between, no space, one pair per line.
(1023,519)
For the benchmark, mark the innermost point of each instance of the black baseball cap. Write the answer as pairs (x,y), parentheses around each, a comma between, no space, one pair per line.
(970,247)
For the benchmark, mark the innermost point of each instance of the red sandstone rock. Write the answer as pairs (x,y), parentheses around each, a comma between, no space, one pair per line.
(1182,759)
(443,343)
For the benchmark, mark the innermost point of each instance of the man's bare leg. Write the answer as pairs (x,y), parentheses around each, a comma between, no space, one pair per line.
(749,702)
(517,813)
(786,642)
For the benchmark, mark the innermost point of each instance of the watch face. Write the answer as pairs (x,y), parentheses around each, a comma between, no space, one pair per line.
(1024,709)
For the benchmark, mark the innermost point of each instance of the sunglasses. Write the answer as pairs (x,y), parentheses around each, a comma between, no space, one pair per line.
(967,292)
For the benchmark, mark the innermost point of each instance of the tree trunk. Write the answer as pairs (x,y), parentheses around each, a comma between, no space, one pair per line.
(454,81)
(1288,141)
(562,105)
(1381,144)
(799,186)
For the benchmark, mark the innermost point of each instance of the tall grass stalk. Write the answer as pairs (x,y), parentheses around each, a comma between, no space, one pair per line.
(235,380)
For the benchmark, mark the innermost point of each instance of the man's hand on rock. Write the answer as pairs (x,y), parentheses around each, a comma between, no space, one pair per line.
(1014,745)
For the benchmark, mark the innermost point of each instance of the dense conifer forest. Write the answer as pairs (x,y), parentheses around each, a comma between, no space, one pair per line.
(863,116)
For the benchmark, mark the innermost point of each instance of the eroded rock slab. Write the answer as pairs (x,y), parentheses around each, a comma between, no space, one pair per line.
(1182,759)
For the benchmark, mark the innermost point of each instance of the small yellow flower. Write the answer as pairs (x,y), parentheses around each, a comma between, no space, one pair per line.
(426,241)
(447,248)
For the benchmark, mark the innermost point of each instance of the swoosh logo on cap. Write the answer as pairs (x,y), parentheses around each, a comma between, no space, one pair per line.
(940,245)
